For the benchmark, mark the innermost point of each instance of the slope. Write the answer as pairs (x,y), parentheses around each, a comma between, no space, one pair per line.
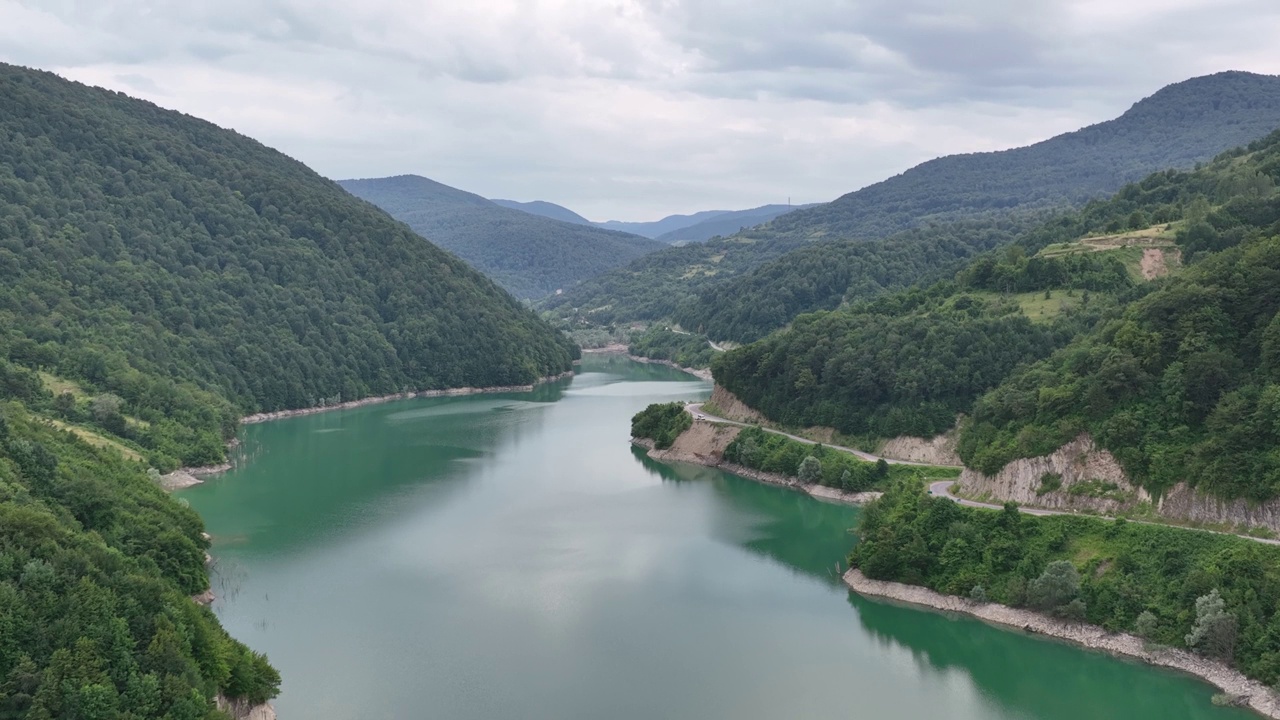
(1062,333)
(670,223)
(545,209)
(727,223)
(529,255)
(198,275)
(1182,124)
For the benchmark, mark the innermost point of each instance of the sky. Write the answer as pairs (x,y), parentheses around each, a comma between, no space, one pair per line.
(635,109)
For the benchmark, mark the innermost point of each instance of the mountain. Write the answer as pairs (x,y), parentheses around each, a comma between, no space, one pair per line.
(1178,126)
(699,285)
(726,223)
(1069,330)
(668,224)
(545,209)
(530,255)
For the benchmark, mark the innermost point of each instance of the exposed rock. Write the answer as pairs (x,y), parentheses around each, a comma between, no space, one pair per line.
(729,407)
(1183,502)
(178,479)
(1232,682)
(703,443)
(938,450)
(205,598)
(244,710)
(1078,476)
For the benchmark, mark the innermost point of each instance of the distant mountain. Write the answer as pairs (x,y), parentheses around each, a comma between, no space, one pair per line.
(671,223)
(529,255)
(1177,127)
(545,209)
(727,223)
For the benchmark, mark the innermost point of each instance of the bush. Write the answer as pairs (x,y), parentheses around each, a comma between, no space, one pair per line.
(661,423)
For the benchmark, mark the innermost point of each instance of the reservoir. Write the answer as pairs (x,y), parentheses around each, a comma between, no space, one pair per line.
(512,556)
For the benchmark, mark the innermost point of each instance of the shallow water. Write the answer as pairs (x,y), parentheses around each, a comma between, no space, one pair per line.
(512,556)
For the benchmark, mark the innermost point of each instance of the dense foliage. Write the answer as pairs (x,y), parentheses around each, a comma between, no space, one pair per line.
(662,423)
(1157,582)
(761,450)
(661,342)
(726,223)
(95,568)
(824,275)
(545,209)
(530,255)
(1147,364)
(160,258)
(1183,386)
(996,195)
(908,363)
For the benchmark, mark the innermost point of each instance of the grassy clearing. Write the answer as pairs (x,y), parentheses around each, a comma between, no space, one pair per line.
(58,385)
(96,440)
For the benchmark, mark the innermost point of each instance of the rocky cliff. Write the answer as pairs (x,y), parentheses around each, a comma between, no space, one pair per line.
(1078,476)
(244,710)
(939,450)
(1183,502)
(727,405)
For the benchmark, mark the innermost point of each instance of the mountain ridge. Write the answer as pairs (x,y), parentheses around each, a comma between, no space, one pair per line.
(530,255)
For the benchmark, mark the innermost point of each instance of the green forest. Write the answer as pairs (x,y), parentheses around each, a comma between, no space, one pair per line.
(198,275)
(762,450)
(1218,595)
(530,255)
(1048,338)
(159,278)
(936,215)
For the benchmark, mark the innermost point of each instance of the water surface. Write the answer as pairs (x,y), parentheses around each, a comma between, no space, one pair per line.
(512,556)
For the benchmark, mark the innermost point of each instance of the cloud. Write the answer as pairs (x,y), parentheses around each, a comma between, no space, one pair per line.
(634,109)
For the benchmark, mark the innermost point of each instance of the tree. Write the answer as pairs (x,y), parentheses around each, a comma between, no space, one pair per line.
(1057,586)
(810,470)
(1215,629)
(1145,626)
(104,406)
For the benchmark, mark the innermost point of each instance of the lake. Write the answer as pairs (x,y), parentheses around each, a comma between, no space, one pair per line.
(512,556)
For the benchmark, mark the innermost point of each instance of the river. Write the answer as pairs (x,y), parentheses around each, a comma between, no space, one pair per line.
(512,556)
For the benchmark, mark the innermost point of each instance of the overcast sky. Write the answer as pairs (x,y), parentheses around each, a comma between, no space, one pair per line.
(634,109)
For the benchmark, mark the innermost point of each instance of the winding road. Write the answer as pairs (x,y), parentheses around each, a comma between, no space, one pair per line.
(942,488)
(695,409)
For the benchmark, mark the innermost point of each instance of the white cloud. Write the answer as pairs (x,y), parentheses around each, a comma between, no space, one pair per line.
(638,108)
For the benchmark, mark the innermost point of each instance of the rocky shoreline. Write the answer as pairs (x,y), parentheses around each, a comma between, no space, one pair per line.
(1248,693)
(821,492)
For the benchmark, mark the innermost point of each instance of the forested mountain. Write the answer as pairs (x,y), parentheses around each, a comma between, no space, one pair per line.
(1057,335)
(529,255)
(1176,127)
(727,223)
(949,199)
(670,223)
(159,277)
(545,209)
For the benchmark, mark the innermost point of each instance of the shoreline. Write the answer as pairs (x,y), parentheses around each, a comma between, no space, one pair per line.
(820,492)
(1253,694)
(186,477)
(620,349)
(378,399)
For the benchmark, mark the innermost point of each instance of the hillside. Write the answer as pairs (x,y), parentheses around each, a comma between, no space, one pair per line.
(1072,329)
(529,255)
(1176,127)
(655,228)
(726,223)
(199,275)
(545,209)
(1006,192)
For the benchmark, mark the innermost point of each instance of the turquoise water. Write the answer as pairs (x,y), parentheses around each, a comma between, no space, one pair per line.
(512,556)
